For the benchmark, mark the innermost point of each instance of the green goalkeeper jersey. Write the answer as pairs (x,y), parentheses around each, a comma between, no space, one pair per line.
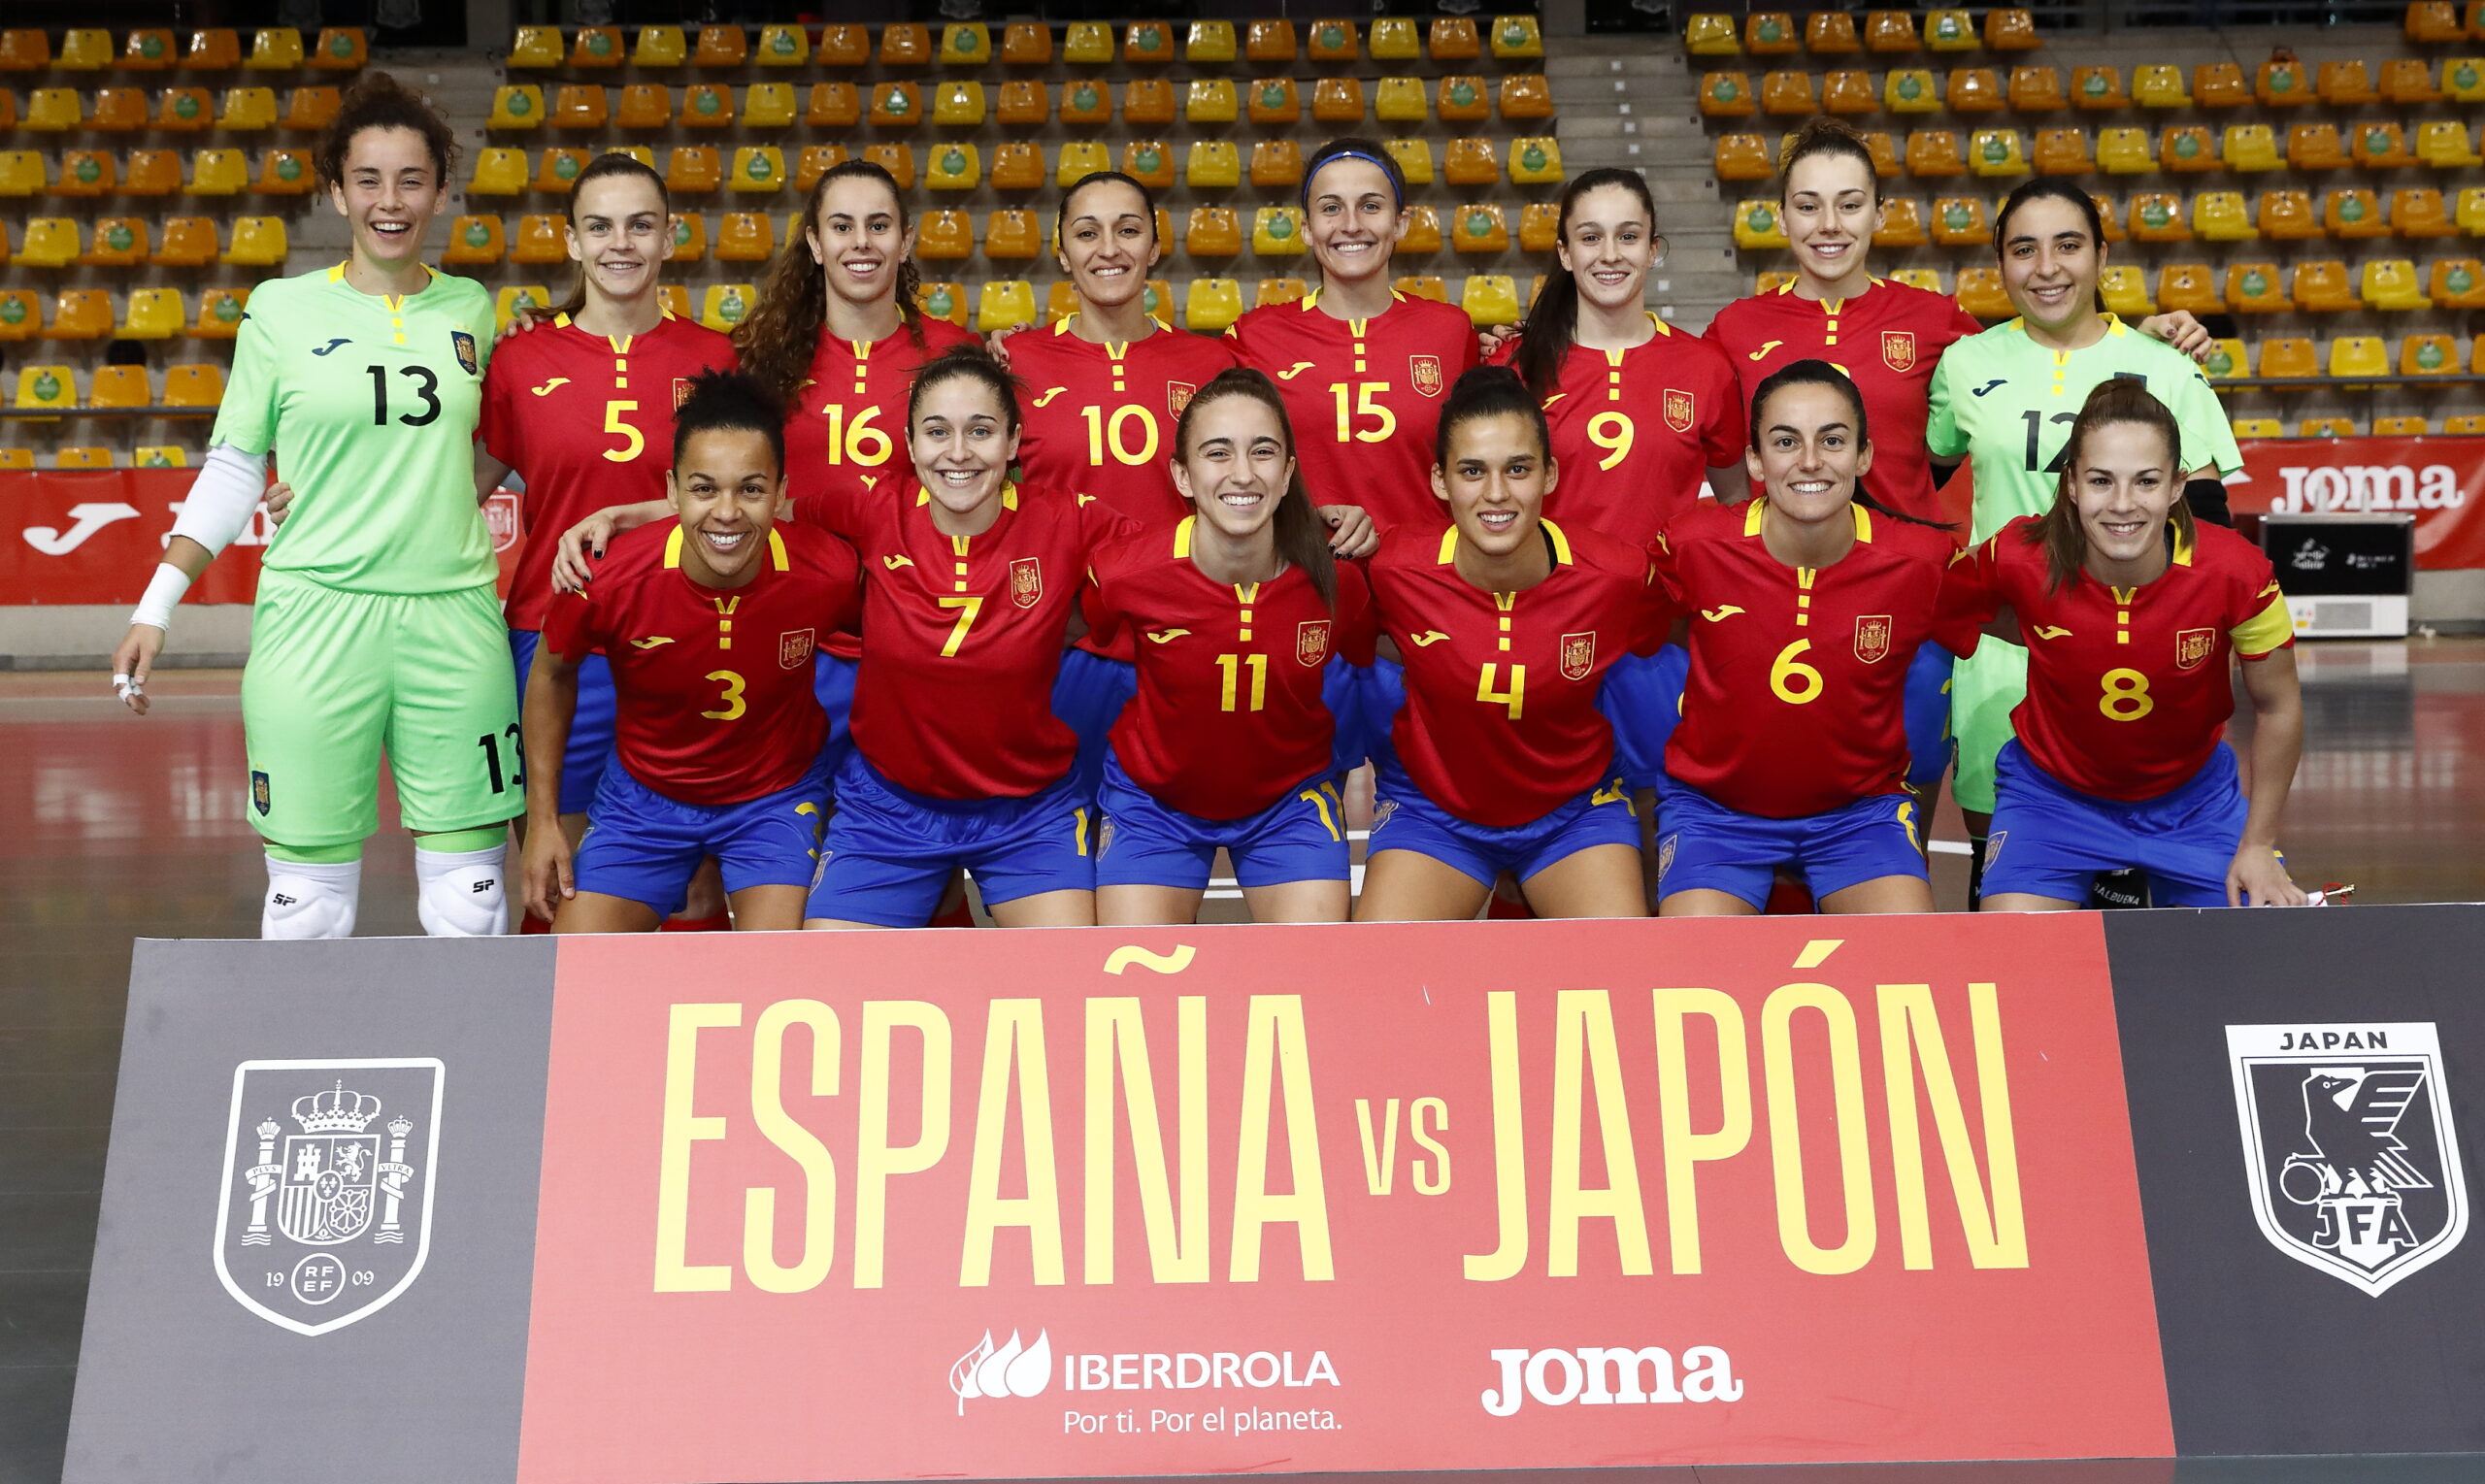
(2009,403)
(369,402)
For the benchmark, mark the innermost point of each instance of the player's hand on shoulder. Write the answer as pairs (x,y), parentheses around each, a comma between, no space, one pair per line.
(279,500)
(524,316)
(2181,331)
(998,342)
(132,659)
(1352,536)
(1487,341)
(2258,878)
(582,546)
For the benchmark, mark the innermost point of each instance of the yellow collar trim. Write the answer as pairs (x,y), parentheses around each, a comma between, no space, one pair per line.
(1448,547)
(2182,548)
(1182,539)
(672,546)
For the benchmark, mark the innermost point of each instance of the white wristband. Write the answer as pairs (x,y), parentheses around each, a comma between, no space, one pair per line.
(163,590)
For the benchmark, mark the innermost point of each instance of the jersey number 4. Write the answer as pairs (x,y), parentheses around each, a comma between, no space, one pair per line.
(427,388)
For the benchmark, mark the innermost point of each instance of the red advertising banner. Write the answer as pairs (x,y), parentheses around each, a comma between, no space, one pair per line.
(2439,480)
(1141,1202)
(94,536)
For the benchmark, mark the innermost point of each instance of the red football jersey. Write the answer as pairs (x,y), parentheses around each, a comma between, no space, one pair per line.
(2128,688)
(714,687)
(1795,703)
(587,420)
(1636,431)
(1100,417)
(1364,397)
(1501,726)
(962,637)
(1229,715)
(1885,340)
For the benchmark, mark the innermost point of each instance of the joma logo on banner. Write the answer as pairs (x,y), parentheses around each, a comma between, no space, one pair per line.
(325,1215)
(2348,1148)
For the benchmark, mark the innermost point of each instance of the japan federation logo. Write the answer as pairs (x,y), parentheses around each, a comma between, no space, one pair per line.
(325,1208)
(2192,646)
(1178,396)
(1311,642)
(1681,411)
(1898,350)
(2348,1149)
(1873,638)
(1426,372)
(794,649)
(464,344)
(1027,581)
(1579,655)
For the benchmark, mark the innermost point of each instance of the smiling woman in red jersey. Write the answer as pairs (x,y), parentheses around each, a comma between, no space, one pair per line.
(1804,604)
(1242,620)
(2130,610)
(1363,368)
(1499,760)
(958,759)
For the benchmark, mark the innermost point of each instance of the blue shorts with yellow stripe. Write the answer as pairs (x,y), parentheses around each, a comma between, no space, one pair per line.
(643,846)
(1702,845)
(1404,819)
(891,851)
(1300,837)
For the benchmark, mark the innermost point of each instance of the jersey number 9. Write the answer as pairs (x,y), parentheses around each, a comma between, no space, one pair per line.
(1614,434)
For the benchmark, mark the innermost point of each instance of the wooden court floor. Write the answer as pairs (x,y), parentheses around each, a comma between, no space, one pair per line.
(113,827)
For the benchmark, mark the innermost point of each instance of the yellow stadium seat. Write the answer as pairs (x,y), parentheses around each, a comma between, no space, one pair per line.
(1459,99)
(1770,33)
(2392,283)
(2417,212)
(1949,31)
(723,305)
(2220,216)
(2125,291)
(2380,147)
(1277,231)
(1536,159)
(2345,85)
(120,241)
(1017,165)
(1332,42)
(2227,359)
(771,105)
(1471,162)
(1788,93)
(2097,87)
(2427,355)
(1277,163)
(1902,225)
(1087,42)
(956,105)
(189,242)
(476,239)
(749,237)
(2319,287)
(2248,428)
(1757,226)
(1516,36)
(1828,33)
(2250,147)
(2457,283)
(2353,211)
(783,45)
(275,48)
(1392,39)
(2469,212)
(2125,152)
(1147,102)
(2191,287)
(285,172)
(1479,228)
(1414,157)
(657,46)
(557,169)
(1271,101)
(498,172)
(86,173)
(2433,21)
(2315,146)
(1997,152)
(1148,43)
(257,241)
(1211,304)
(1027,44)
(1889,31)
(51,242)
(1743,157)
(121,387)
(1911,91)
(2400,427)
(84,50)
(1726,95)
(54,111)
(1423,232)
(1849,92)
(1023,103)
(47,386)
(22,172)
(2443,144)
(2063,153)
(2326,427)
(2464,79)
(758,170)
(1078,159)
(896,105)
(2157,217)
(2467,424)
(534,46)
(1210,43)
(1212,231)
(1210,100)
(117,109)
(2036,90)
(1934,152)
(1972,90)
(1539,226)
(2358,355)
(1958,221)
(1711,35)
(1338,100)
(81,314)
(160,456)
(954,167)
(515,106)
(1980,293)
(1013,234)
(692,170)
(897,159)
(83,457)
(2187,148)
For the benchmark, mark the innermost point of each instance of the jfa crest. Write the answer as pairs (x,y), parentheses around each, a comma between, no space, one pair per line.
(1311,642)
(1178,396)
(2348,1148)
(326,1221)
(1579,655)
(1898,350)
(1026,582)
(1873,638)
(2192,646)
(794,649)
(1680,413)
(1426,371)
(464,344)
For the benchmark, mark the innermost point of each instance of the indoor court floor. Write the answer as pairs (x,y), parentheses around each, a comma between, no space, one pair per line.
(114,827)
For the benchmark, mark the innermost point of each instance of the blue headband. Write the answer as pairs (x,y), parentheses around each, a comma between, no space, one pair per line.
(1388,168)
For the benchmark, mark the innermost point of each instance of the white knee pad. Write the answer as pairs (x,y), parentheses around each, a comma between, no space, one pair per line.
(307,900)
(463,893)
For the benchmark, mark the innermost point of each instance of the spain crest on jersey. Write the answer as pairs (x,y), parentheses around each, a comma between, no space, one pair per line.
(1178,396)
(1898,350)
(1579,655)
(259,792)
(2192,646)
(1680,412)
(1873,638)
(464,344)
(1311,642)
(680,392)
(1026,582)
(794,648)
(1426,372)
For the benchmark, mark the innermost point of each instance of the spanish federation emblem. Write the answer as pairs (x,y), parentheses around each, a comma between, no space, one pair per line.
(2348,1148)
(794,648)
(1873,638)
(1026,582)
(325,1215)
(1426,372)
(1579,655)
(1178,396)
(464,344)
(1898,350)
(2192,646)
(1312,641)
(1681,411)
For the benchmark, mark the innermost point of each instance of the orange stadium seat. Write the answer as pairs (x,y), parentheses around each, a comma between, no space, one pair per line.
(1212,231)
(1980,293)
(578,106)
(1890,31)
(1423,231)
(2100,88)
(2418,213)
(1023,44)
(558,168)
(595,47)
(1770,33)
(1972,90)
(24,51)
(815,161)
(147,51)
(1150,162)
(184,111)
(2433,21)
(120,241)
(2380,147)
(1471,162)
(1338,100)
(894,106)
(2280,82)
(1271,102)
(309,110)
(1726,95)
(217,49)
(1086,101)
(1013,234)
(1743,157)
(1270,41)
(2345,85)
(1332,42)
(152,173)
(2187,148)
(2220,85)
(2011,30)
(2408,80)
(1023,103)
(285,172)
(1017,165)
(2157,217)
(2427,355)
(1933,152)
(649,105)
(189,242)
(2319,287)
(1422,285)
(1147,102)
(1830,33)
(1958,221)
(1479,228)
(937,236)
(1885,155)
(2189,286)
(1539,226)
(1902,225)
(2252,288)
(1148,44)
(2036,90)
(901,44)
(1849,92)
(1461,100)
(90,173)
(2286,215)
(1524,97)
(121,387)
(219,314)
(693,170)
(81,314)
(2063,153)
(2353,211)
(117,110)
(2458,283)
(1278,291)
(2315,146)
(1277,163)
(689,238)
(20,314)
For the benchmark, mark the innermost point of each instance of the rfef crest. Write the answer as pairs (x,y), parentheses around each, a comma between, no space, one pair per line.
(794,649)
(1426,371)
(1027,581)
(325,1211)
(2194,645)
(1178,396)
(1898,350)
(680,391)
(1681,411)
(259,792)
(1579,655)
(464,344)
(1873,638)
(1311,642)
(2348,1150)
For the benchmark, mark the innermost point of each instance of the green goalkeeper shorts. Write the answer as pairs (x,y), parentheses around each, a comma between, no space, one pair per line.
(338,677)
(1984,689)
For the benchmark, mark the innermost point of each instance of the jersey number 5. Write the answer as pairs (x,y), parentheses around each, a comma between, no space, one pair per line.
(427,388)
(1384,421)
(634,443)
